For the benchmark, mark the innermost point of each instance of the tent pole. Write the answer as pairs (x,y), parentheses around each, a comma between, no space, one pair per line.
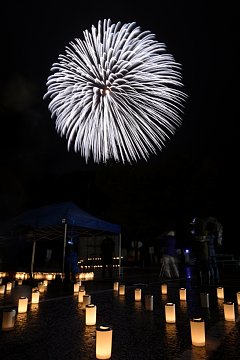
(64,245)
(33,257)
(119,254)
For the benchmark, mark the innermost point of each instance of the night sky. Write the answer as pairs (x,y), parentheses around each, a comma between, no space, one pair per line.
(194,175)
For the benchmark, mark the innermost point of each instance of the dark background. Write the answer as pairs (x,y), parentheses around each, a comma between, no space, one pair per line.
(194,175)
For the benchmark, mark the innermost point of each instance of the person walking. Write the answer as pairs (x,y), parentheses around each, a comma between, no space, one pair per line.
(169,264)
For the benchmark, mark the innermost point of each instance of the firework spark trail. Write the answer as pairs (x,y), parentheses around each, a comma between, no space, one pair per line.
(116,93)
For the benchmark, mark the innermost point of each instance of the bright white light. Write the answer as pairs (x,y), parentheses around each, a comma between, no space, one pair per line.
(116,93)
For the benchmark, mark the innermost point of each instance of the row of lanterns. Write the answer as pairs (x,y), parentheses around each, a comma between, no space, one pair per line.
(48,276)
(104,333)
(8,319)
(197,325)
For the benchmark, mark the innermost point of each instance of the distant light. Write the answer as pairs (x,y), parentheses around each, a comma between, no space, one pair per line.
(187,251)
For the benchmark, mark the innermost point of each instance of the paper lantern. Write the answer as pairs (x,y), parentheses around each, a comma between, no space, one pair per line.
(22,304)
(2,289)
(20,282)
(204,300)
(35,297)
(91,314)
(170,313)
(164,289)
(220,292)
(80,295)
(8,319)
(76,287)
(41,288)
(86,300)
(138,294)
(238,297)
(9,286)
(49,276)
(197,331)
(229,311)
(103,342)
(182,294)
(149,302)
(115,286)
(121,290)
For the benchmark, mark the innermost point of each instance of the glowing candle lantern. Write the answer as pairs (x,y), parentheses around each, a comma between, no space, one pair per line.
(115,286)
(149,302)
(138,294)
(8,319)
(204,300)
(164,289)
(220,292)
(76,287)
(35,297)
(121,290)
(103,342)
(182,294)
(2,289)
(80,295)
(170,313)
(20,282)
(229,312)
(45,282)
(86,300)
(197,332)
(22,304)
(238,297)
(9,286)
(41,288)
(91,314)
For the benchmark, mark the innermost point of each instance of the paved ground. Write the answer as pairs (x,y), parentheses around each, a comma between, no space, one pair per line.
(55,328)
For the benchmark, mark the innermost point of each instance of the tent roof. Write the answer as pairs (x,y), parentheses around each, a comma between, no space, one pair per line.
(55,215)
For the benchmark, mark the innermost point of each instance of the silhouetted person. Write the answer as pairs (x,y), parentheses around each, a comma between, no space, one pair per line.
(201,254)
(211,238)
(71,268)
(208,235)
(107,250)
(169,264)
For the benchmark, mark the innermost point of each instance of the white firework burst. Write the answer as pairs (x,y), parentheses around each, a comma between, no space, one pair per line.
(116,93)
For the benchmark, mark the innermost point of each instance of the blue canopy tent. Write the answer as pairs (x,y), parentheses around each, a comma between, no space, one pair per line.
(61,220)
